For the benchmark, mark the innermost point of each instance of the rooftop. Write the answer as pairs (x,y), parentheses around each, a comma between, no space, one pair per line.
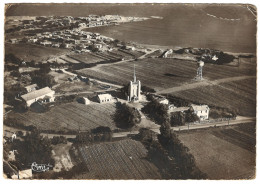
(37,93)
(200,107)
(104,96)
(31,86)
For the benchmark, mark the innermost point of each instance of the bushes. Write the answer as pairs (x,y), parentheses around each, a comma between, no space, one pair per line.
(146,89)
(178,102)
(221,113)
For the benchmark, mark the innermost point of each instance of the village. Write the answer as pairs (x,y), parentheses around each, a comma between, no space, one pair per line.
(83,101)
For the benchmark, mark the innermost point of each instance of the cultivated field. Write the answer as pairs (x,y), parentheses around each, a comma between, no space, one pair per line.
(123,159)
(70,116)
(85,58)
(164,73)
(237,95)
(224,153)
(30,52)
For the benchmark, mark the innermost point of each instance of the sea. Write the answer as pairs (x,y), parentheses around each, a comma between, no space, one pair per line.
(230,28)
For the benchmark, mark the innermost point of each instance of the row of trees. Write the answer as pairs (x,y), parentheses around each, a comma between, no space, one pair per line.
(169,154)
(180,118)
(95,135)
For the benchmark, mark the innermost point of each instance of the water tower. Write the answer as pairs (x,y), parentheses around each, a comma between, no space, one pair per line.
(199,70)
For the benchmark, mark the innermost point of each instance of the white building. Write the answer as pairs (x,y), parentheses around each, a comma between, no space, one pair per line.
(202,111)
(134,90)
(45,93)
(104,98)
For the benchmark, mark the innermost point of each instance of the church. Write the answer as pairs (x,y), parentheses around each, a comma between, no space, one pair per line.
(134,89)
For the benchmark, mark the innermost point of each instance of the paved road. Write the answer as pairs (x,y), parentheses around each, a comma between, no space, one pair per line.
(202,83)
(239,120)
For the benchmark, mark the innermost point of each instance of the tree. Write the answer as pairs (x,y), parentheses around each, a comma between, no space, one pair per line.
(156,111)
(177,119)
(34,148)
(126,117)
(43,80)
(190,116)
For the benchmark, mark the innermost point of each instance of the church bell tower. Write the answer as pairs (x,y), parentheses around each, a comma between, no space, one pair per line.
(134,89)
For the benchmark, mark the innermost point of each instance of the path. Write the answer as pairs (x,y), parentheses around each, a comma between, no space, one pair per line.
(202,83)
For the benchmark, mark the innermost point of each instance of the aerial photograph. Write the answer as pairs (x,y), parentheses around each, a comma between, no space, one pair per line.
(142,91)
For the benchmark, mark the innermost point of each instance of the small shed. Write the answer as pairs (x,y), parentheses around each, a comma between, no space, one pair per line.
(86,101)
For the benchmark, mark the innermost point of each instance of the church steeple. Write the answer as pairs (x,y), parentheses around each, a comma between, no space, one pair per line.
(134,74)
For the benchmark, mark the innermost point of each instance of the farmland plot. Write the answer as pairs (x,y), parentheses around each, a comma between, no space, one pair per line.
(237,95)
(163,73)
(70,116)
(85,58)
(223,153)
(123,159)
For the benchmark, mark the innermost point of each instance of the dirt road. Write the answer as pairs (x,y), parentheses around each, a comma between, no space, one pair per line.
(202,83)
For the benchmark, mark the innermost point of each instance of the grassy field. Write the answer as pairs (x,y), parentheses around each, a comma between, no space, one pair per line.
(123,159)
(70,116)
(224,153)
(30,52)
(164,73)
